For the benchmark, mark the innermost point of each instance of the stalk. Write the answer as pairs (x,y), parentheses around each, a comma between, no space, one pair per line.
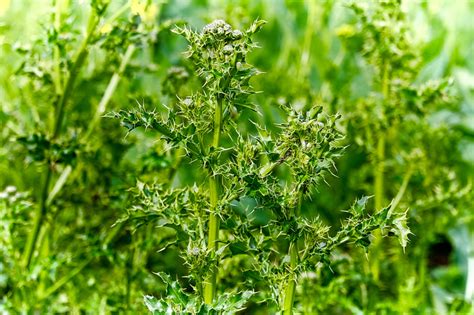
(33,237)
(129,280)
(401,191)
(290,289)
(380,154)
(109,91)
(62,281)
(469,290)
(293,252)
(379,173)
(57,61)
(214,187)
(422,273)
(303,69)
(43,209)
(74,73)
(65,279)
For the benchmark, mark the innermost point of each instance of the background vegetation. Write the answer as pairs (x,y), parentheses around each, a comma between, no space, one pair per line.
(78,191)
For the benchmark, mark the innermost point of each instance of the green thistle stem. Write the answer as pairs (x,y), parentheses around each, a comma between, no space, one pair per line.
(214,187)
(293,252)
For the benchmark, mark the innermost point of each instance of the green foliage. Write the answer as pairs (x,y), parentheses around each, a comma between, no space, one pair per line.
(177,301)
(147,165)
(307,145)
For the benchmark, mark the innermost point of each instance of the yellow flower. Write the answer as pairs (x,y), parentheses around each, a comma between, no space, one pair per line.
(4,5)
(106,28)
(137,7)
(146,12)
(150,13)
(345,30)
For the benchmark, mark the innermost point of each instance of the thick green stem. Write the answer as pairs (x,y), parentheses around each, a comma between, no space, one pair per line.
(43,209)
(291,287)
(293,253)
(214,187)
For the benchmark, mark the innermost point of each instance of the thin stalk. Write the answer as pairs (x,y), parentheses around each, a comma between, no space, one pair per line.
(379,173)
(469,290)
(65,279)
(79,61)
(43,249)
(62,281)
(380,153)
(289,297)
(100,110)
(303,69)
(57,57)
(422,273)
(118,13)
(37,224)
(109,91)
(74,73)
(401,191)
(214,188)
(129,279)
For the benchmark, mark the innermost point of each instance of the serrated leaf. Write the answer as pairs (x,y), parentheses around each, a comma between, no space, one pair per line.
(401,229)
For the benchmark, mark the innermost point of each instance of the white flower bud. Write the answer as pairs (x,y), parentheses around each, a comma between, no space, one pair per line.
(228,49)
(237,34)
(10,189)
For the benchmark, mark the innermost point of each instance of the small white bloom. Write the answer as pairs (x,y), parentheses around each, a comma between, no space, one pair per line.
(188,101)
(218,26)
(10,189)
(228,49)
(237,34)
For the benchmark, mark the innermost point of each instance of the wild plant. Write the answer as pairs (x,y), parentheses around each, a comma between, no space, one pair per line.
(65,93)
(409,149)
(238,177)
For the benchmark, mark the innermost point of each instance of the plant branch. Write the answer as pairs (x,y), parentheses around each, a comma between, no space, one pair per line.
(78,62)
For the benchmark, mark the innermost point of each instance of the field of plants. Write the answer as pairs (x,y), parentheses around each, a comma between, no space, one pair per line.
(249,157)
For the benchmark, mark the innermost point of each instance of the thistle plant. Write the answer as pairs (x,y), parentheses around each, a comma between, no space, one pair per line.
(56,139)
(210,221)
(394,124)
(232,179)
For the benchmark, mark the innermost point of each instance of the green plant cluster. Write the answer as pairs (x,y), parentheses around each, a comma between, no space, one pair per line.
(267,157)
